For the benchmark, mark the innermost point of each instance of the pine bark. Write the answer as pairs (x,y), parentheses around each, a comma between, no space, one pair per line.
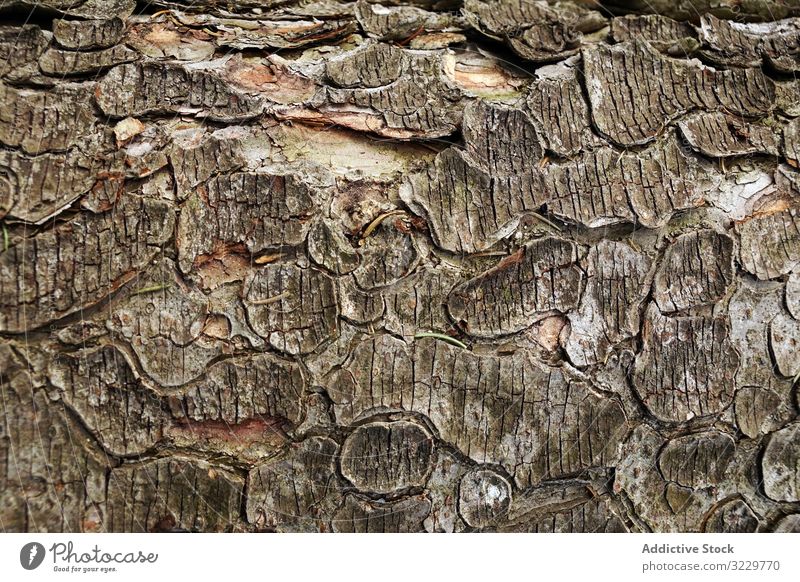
(421,265)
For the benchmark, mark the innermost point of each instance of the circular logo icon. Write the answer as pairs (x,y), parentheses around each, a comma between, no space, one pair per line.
(31,555)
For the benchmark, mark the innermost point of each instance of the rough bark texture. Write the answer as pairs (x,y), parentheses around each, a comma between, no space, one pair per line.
(505,265)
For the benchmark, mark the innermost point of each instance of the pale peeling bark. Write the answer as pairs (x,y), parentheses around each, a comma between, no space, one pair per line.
(422,265)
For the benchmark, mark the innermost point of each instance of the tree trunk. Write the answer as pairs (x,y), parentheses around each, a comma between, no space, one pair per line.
(428,265)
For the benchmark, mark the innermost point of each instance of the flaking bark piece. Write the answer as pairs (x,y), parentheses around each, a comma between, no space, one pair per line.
(697,269)
(35,188)
(484,497)
(742,44)
(480,73)
(784,341)
(753,306)
(163,88)
(539,279)
(463,207)
(164,322)
(173,494)
(698,460)
(197,156)
(104,391)
(780,464)
(635,92)
(787,184)
(260,9)
(535,30)
(386,256)
(20,48)
(374,65)
(502,140)
(384,458)
(44,279)
(676,38)
(789,524)
(561,427)
(556,104)
(734,516)
(761,410)
(165,39)
(468,209)
(88,35)
(791,148)
(401,22)
(687,366)
(793,295)
(718,135)
(656,182)
(750,11)
(288,34)
(787,98)
(660,504)
(393,92)
(52,476)
(769,242)
(235,391)
(252,211)
(573,506)
(358,306)
(418,302)
(88,9)
(362,515)
(57,62)
(64,117)
(294,308)
(240,405)
(729,42)
(595,516)
(328,248)
(297,491)
(616,285)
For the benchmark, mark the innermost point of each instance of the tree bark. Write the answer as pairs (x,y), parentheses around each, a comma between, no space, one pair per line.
(427,265)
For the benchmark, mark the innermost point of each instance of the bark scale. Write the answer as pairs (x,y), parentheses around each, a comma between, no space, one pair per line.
(512,265)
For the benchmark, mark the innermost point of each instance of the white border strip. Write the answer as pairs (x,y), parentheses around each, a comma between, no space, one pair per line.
(405,557)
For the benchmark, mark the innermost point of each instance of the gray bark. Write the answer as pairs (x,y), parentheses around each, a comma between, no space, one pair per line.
(426,265)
